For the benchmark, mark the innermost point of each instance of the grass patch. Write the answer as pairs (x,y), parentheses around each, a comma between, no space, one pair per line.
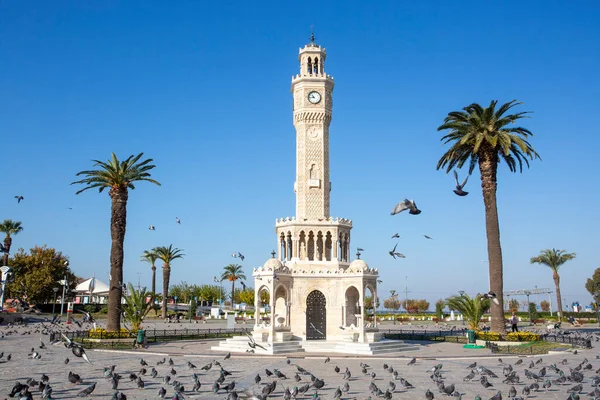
(539,347)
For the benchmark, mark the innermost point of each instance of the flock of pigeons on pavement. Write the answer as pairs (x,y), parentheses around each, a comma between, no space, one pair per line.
(569,376)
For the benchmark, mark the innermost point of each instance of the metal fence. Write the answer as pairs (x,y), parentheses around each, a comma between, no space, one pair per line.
(456,336)
(152,335)
(568,339)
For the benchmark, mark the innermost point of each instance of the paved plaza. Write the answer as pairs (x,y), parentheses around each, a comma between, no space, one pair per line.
(245,367)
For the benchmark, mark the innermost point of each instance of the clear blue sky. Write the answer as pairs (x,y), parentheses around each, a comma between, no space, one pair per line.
(203,88)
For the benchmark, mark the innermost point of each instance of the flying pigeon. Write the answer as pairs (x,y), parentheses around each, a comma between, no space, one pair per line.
(240,256)
(428,237)
(492,296)
(406,205)
(19,198)
(178,220)
(359,249)
(396,236)
(152,228)
(394,254)
(459,187)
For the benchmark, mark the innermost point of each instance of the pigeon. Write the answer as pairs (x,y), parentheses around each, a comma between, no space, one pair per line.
(429,395)
(470,376)
(459,187)
(19,198)
(512,392)
(396,236)
(87,391)
(412,361)
(491,296)
(327,360)
(497,396)
(406,205)
(484,382)
(178,220)
(240,256)
(227,357)
(394,254)
(428,237)
(152,228)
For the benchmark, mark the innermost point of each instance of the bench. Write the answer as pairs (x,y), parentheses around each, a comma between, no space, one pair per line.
(241,319)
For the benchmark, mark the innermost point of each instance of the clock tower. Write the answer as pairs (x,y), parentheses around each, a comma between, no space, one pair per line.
(312,90)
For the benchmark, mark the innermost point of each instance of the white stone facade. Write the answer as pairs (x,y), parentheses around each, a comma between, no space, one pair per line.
(315,292)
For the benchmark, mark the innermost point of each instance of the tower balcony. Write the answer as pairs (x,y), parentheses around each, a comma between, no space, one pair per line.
(321,222)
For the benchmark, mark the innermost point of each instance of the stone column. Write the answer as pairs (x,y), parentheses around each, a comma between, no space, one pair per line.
(336,248)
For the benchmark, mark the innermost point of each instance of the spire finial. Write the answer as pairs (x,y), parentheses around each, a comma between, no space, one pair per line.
(312,34)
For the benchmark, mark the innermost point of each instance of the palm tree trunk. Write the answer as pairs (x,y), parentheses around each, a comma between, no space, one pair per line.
(153,279)
(166,278)
(488,166)
(7,244)
(558,296)
(118,222)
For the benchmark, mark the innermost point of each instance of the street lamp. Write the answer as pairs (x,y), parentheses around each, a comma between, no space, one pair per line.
(175,298)
(597,295)
(55,289)
(220,288)
(527,293)
(62,299)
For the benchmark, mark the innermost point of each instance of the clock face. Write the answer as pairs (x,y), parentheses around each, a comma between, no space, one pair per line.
(314,97)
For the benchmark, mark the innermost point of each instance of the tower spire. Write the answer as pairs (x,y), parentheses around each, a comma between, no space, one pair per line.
(312,34)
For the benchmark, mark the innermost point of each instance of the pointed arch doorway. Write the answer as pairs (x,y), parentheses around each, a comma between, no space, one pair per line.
(316,316)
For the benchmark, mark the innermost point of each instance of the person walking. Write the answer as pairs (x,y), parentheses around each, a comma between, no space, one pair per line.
(514,321)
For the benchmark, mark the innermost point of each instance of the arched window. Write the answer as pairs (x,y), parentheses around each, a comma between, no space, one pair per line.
(316,65)
(309,68)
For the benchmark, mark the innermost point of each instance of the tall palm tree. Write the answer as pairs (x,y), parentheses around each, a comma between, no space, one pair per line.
(484,137)
(167,255)
(9,227)
(151,257)
(233,272)
(118,177)
(553,259)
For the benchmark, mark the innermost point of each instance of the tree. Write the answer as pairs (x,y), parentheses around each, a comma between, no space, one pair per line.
(513,304)
(182,290)
(392,303)
(150,257)
(208,293)
(167,255)
(138,304)
(532,309)
(422,306)
(10,228)
(118,177)
(545,306)
(36,273)
(439,308)
(483,137)
(593,284)
(553,259)
(368,302)
(247,296)
(472,308)
(232,273)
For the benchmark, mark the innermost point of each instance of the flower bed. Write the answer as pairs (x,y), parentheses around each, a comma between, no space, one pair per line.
(509,337)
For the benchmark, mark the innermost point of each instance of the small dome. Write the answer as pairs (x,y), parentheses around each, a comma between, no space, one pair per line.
(273,263)
(358,264)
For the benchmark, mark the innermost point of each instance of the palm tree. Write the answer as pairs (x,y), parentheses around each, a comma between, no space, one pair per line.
(167,255)
(233,272)
(472,308)
(151,257)
(483,137)
(9,227)
(138,304)
(553,259)
(118,177)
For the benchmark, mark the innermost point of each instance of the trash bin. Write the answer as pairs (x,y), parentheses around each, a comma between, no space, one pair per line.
(141,335)
(470,336)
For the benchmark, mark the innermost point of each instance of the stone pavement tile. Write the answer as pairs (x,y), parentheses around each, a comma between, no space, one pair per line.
(244,368)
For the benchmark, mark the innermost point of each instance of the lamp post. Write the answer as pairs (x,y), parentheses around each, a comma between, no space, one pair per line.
(175,298)
(527,293)
(220,288)
(62,299)
(55,289)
